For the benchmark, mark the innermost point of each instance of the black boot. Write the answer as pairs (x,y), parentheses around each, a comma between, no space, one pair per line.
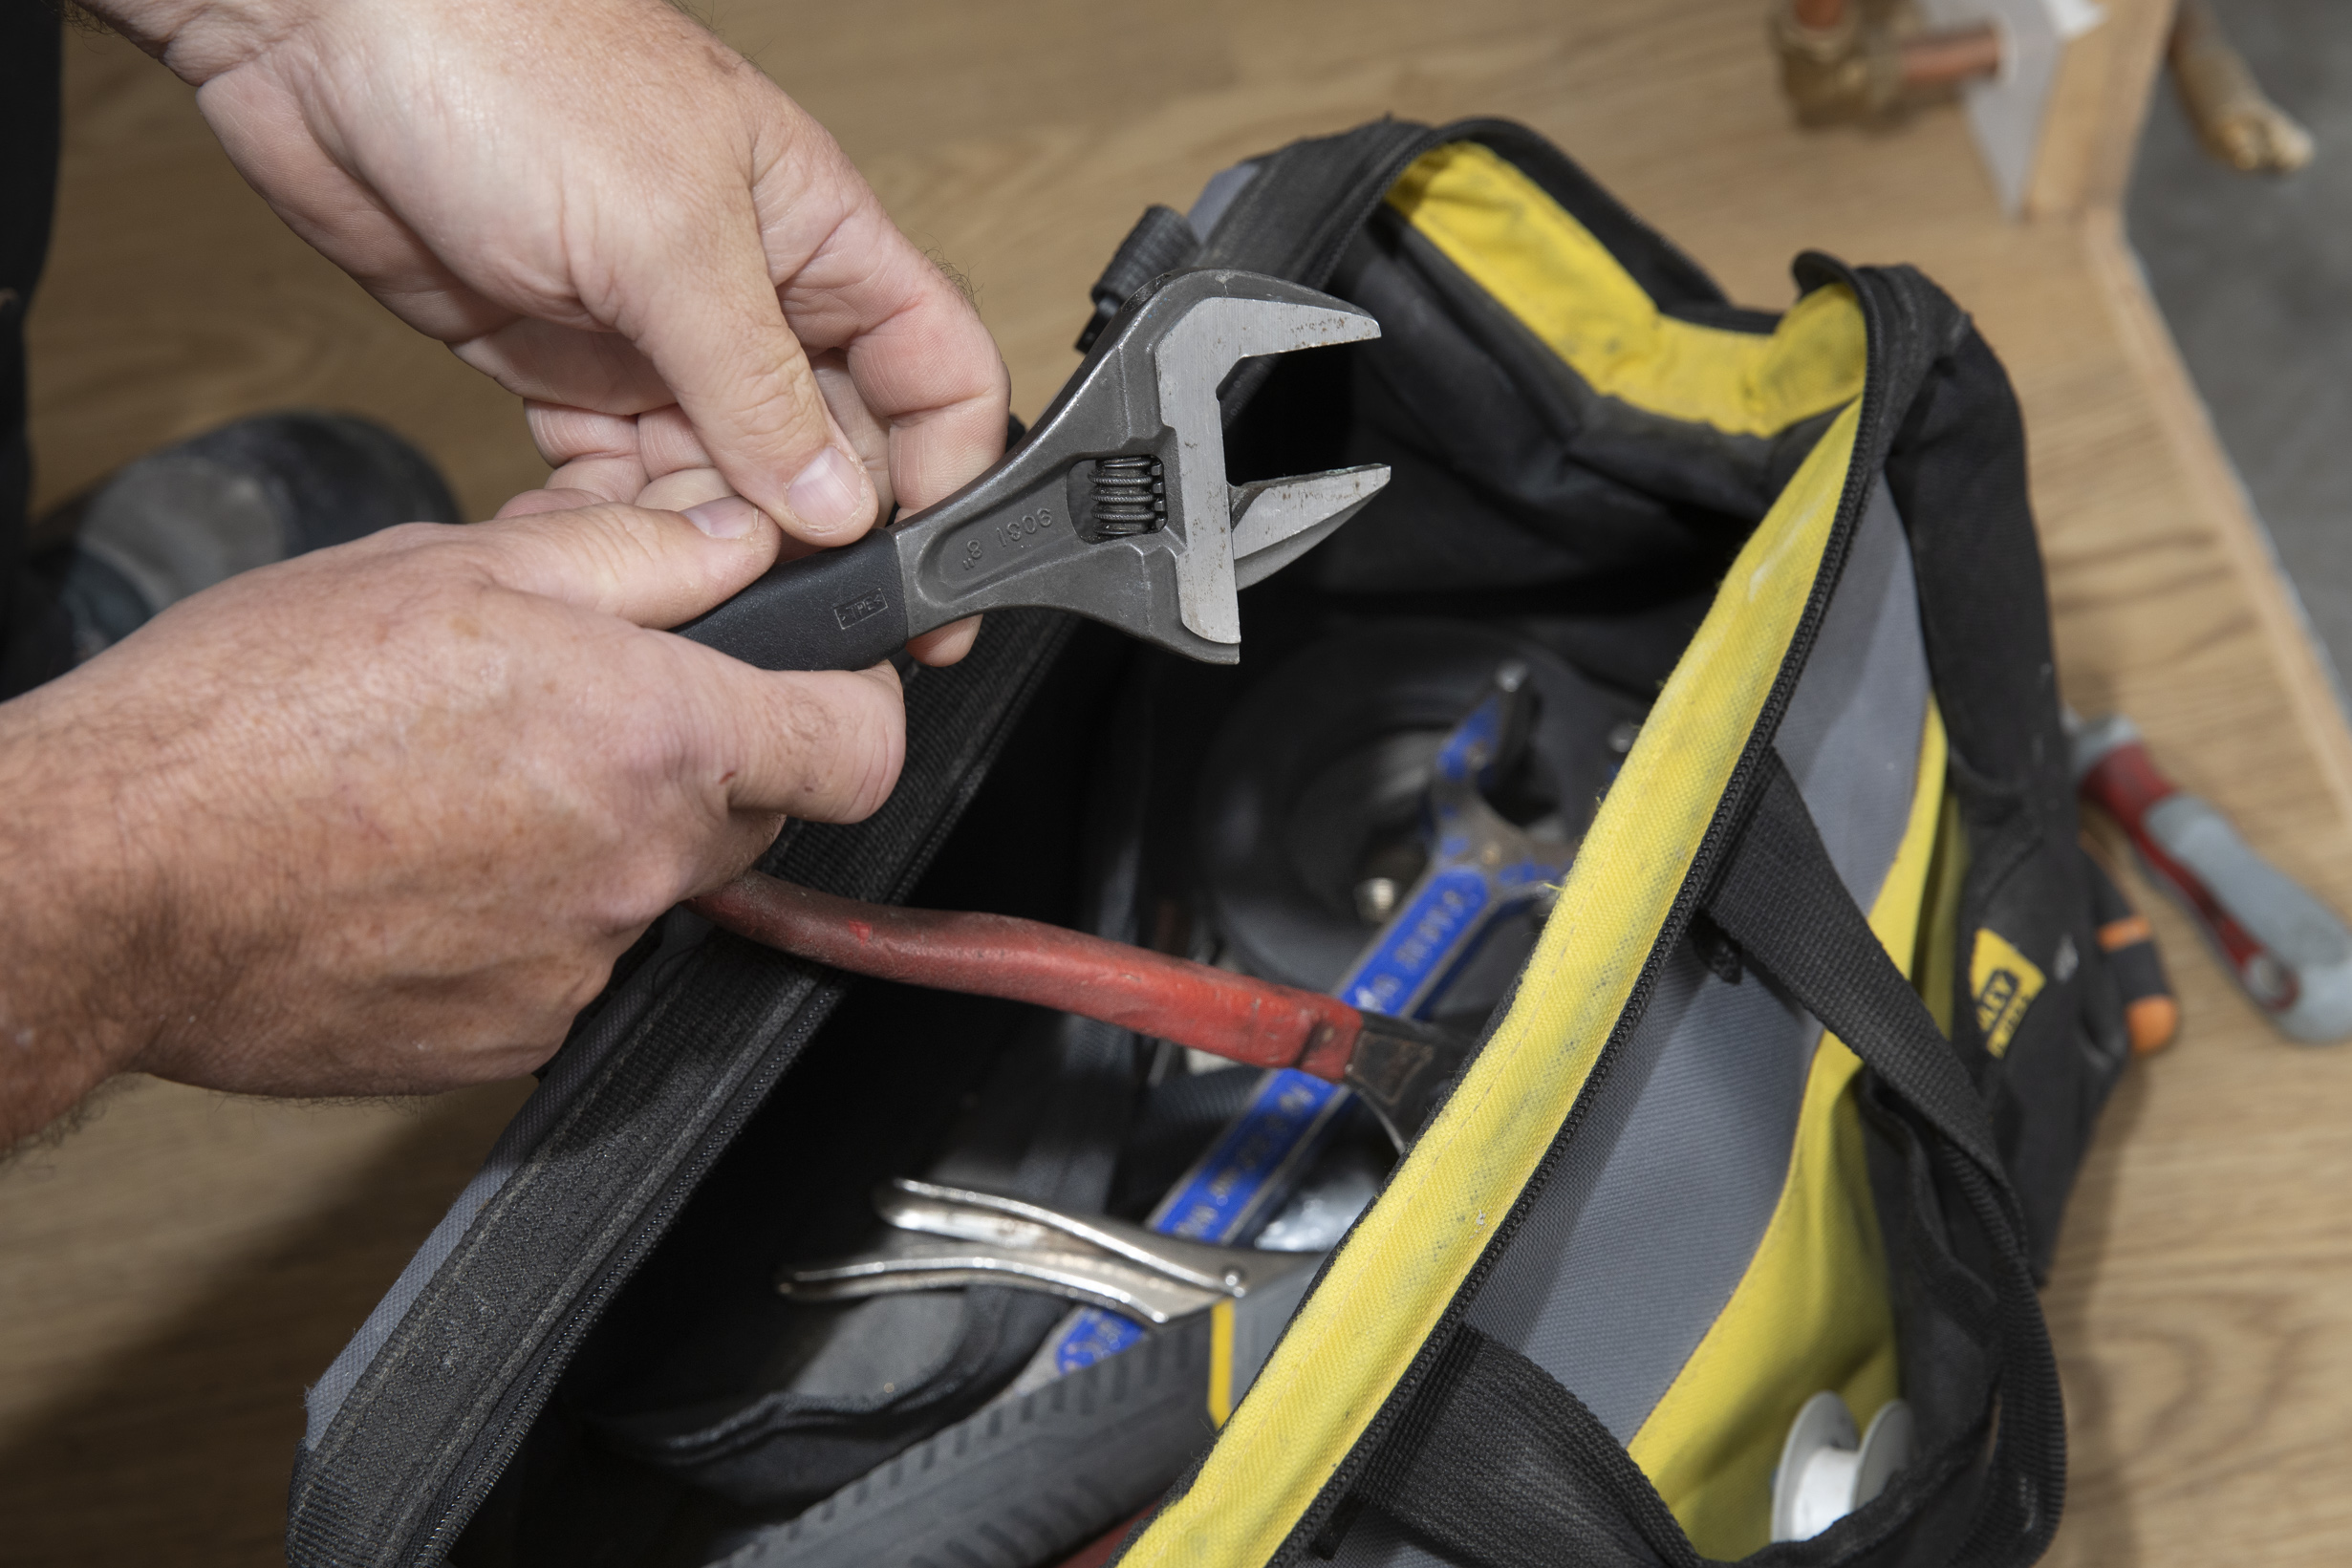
(178,521)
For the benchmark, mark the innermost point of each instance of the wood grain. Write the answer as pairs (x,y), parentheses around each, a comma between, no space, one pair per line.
(2098,102)
(171,1275)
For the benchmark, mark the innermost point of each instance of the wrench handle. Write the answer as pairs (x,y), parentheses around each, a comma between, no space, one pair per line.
(841,609)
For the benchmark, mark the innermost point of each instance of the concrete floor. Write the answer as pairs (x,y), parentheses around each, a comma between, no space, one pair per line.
(2255,276)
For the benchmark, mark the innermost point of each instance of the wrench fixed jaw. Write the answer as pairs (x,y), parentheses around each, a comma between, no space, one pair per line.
(1116,506)
(1231,321)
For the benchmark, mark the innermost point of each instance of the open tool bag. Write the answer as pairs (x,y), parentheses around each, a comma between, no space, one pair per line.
(1783,1067)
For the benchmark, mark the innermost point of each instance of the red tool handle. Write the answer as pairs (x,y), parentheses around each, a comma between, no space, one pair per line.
(1213,1010)
(2124,782)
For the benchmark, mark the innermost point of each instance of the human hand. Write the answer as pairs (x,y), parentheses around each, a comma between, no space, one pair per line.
(621,219)
(379,819)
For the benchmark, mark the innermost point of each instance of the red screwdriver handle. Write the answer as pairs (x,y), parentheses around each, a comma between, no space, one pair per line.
(1213,1010)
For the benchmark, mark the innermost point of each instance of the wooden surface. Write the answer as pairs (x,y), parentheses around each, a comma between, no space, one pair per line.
(171,1274)
(2097,101)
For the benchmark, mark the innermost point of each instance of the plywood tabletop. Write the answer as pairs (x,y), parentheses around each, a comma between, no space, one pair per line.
(174,1271)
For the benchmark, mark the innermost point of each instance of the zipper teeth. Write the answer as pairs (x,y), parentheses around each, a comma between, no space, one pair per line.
(555,1356)
(1703,864)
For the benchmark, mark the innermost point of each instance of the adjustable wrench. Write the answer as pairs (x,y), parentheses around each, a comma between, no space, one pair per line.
(1116,506)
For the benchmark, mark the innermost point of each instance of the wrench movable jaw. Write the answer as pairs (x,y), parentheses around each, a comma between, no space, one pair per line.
(1276,521)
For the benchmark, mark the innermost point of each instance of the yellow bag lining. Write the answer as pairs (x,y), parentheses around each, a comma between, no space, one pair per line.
(1812,1310)
(1520,245)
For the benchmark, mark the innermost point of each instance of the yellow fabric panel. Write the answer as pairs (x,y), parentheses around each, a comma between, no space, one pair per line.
(1221,1362)
(1384,1293)
(1502,230)
(2004,982)
(1812,1311)
(1939,934)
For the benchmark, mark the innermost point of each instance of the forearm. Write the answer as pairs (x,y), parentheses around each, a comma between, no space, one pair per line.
(76,991)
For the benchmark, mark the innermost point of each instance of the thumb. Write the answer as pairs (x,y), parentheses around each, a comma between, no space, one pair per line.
(715,332)
(651,568)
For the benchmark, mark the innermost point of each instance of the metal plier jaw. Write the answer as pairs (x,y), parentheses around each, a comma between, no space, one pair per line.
(1116,505)
(951,1236)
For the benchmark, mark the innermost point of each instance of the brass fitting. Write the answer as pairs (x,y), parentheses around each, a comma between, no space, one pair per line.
(1846,69)
(1843,61)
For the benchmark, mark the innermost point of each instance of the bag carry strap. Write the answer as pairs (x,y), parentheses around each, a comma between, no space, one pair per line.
(1784,905)
(1780,901)
(1495,1463)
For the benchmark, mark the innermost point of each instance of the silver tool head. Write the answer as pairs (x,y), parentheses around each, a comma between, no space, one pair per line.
(948,1236)
(1214,321)
(1117,506)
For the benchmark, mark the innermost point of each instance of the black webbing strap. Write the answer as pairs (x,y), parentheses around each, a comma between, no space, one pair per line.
(1495,1464)
(1780,901)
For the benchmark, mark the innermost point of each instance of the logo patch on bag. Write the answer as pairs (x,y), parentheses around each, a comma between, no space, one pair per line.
(2004,982)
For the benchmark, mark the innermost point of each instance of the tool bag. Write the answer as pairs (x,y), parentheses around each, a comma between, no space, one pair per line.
(1784,1098)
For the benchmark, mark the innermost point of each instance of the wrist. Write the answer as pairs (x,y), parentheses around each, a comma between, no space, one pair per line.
(200,39)
(76,991)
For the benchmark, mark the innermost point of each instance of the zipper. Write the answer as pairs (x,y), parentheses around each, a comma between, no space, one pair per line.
(501,1435)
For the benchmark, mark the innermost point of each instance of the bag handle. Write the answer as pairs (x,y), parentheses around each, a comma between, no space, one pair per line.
(1496,1463)
(1780,902)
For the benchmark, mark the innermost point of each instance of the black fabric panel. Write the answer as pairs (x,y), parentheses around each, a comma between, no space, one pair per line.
(442,1407)
(1305,204)
(34,640)
(1582,485)
(776,1449)
(1300,212)
(1539,479)
(695,1380)
(1958,475)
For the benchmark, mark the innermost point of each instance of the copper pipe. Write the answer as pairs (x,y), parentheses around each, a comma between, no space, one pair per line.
(1939,59)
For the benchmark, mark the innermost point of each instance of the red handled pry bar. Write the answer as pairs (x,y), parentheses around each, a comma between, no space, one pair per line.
(1400,1066)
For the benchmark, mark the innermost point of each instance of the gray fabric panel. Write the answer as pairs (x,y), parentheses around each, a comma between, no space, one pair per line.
(1217,196)
(1850,737)
(1629,1258)
(1649,1219)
